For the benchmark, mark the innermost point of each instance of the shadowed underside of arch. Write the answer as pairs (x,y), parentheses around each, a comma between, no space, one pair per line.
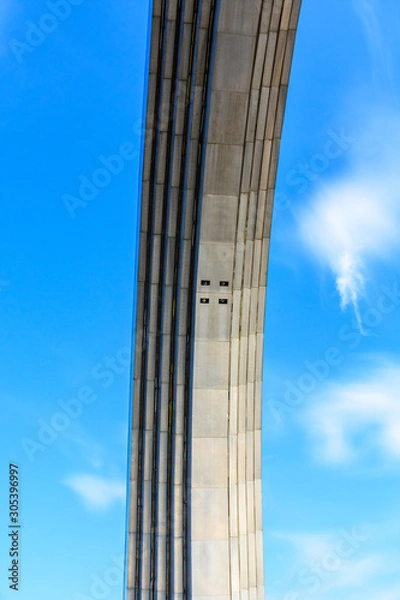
(219,72)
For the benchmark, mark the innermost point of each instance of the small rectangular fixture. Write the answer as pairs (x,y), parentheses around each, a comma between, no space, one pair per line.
(223,301)
(224,283)
(204,300)
(205,282)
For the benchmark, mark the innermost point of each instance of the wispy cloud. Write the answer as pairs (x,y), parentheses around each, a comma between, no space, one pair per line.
(97,493)
(348,420)
(378,46)
(329,562)
(352,222)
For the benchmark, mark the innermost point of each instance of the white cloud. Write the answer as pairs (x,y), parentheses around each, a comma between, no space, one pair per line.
(348,420)
(379,48)
(351,223)
(97,493)
(307,546)
(334,562)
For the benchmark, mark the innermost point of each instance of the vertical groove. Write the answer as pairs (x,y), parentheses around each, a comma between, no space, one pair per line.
(146,319)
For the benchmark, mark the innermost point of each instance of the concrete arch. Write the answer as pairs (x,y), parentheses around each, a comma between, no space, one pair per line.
(219,71)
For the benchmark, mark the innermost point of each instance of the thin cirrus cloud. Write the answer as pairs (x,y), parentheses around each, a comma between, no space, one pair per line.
(378,46)
(96,493)
(330,564)
(351,223)
(352,419)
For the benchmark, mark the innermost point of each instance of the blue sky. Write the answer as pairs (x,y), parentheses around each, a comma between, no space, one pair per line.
(70,119)
(331,401)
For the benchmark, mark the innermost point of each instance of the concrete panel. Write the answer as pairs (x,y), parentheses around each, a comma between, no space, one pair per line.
(234,557)
(178,568)
(241,466)
(295,14)
(259,61)
(247,166)
(169,52)
(180,411)
(233,455)
(252,115)
(262,113)
(262,200)
(240,18)
(176,165)
(133,510)
(234,361)
(166,107)
(178,511)
(215,262)
(178,474)
(256,164)
(223,168)
(193,165)
(211,365)
(148,456)
(280,109)
(266,17)
(244,198)
(251,545)
(243,564)
(210,462)
(201,56)
(205,14)
(161,563)
(210,514)
(234,63)
(273,164)
(228,112)
(242,399)
(288,57)
(259,558)
(182,104)
(279,57)
(155,36)
(258,504)
(210,413)
(210,564)
(147,504)
(162,474)
(269,59)
(197,110)
(185,51)
(147,154)
(173,225)
(162,509)
(219,218)
(276,15)
(188,18)
(164,407)
(161,165)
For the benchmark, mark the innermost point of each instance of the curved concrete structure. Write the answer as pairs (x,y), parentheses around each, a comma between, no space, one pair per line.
(219,72)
